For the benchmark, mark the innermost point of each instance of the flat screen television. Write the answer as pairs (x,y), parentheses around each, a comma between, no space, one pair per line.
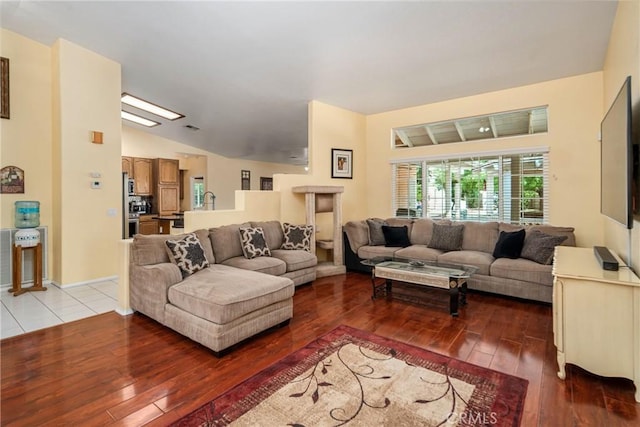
(617,189)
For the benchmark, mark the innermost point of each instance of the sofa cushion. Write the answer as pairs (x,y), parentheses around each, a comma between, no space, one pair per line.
(447,237)
(522,269)
(422,230)
(187,253)
(272,233)
(396,237)
(297,237)
(376,236)
(482,260)
(225,241)
(480,236)
(221,294)
(368,252)
(262,264)
(152,249)
(509,244)
(295,259)
(253,242)
(418,252)
(539,246)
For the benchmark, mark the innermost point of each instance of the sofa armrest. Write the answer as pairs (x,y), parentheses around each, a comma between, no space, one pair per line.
(358,234)
(149,285)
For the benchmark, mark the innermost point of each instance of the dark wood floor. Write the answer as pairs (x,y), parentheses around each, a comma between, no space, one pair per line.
(113,370)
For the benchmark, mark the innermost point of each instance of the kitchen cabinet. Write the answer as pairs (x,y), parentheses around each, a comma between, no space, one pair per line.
(127,166)
(167,171)
(168,199)
(148,225)
(142,173)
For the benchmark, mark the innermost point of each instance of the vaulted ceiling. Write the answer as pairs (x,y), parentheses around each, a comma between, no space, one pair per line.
(244,72)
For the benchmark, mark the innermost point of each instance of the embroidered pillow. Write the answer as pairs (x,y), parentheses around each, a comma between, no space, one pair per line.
(376,236)
(188,254)
(253,242)
(396,237)
(297,237)
(446,237)
(539,246)
(509,244)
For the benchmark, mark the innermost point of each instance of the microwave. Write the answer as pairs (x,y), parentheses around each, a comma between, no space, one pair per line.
(131,185)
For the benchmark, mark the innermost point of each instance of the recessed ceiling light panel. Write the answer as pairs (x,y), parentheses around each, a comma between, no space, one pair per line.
(138,119)
(149,107)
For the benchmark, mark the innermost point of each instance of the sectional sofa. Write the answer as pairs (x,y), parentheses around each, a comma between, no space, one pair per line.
(525,275)
(222,285)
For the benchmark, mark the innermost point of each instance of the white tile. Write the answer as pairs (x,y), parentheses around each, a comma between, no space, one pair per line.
(102,306)
(7,321)
(86,299)
(6,333)
(78,308)
(70,317)
(39,323)
(81,291)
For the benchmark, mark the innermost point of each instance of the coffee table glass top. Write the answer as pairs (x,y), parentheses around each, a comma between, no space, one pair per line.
(425,267)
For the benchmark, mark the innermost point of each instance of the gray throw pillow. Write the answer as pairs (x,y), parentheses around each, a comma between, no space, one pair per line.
(539,247)
(446,237)
(253,242)
(188,254)
(376,236)
(297,237)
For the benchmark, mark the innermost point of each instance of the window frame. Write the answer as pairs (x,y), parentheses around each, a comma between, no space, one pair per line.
(523,208)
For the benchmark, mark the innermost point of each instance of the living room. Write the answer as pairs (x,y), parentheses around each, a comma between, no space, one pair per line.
(66,75)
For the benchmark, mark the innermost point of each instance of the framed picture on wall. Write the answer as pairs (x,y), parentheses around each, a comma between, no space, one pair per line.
(341,163)
(4,88)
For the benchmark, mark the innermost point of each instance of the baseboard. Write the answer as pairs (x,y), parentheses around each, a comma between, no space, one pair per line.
(124,312)
(86,282)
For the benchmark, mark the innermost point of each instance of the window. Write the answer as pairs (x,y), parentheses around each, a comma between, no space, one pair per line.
(510,187)
(497,125)
(197,191)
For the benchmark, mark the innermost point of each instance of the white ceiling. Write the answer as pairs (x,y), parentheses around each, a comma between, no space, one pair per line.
(244,72)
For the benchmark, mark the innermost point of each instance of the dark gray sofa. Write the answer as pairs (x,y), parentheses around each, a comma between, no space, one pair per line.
(521,278)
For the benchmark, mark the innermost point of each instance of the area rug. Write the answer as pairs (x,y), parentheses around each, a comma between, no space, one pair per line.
(352,377)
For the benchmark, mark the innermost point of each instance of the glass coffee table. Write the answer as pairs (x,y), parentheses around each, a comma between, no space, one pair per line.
(420,273)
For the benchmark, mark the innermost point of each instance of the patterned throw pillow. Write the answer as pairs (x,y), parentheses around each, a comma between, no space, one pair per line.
(188,254)
(539,246)
(253,242)
(297,237)
(376,236)
(446,237)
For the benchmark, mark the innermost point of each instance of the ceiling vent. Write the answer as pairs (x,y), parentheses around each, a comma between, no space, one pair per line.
(192,127)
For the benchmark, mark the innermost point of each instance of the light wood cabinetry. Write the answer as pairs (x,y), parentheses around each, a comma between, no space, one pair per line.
(167,186)
(127,166)
(168,199)
(149,225)
(167,171)
(142,173)
(596,316)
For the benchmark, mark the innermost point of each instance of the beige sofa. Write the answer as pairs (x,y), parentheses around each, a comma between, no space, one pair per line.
(520,277)
(229,300)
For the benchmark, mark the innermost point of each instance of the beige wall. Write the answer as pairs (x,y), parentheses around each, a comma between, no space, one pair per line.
(623,59)
(25,139)
(575,111)
(222,174)
(87,222)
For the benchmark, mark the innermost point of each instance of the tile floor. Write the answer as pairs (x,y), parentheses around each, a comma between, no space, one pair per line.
(36,310)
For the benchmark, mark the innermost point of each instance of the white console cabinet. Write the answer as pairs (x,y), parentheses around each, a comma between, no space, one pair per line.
(596,316)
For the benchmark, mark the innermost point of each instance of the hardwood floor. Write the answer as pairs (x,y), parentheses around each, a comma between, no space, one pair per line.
(113,370)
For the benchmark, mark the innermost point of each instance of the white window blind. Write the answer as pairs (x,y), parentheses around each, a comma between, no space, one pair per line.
(510,187)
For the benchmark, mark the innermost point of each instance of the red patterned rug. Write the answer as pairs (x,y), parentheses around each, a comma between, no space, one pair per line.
(353,377)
